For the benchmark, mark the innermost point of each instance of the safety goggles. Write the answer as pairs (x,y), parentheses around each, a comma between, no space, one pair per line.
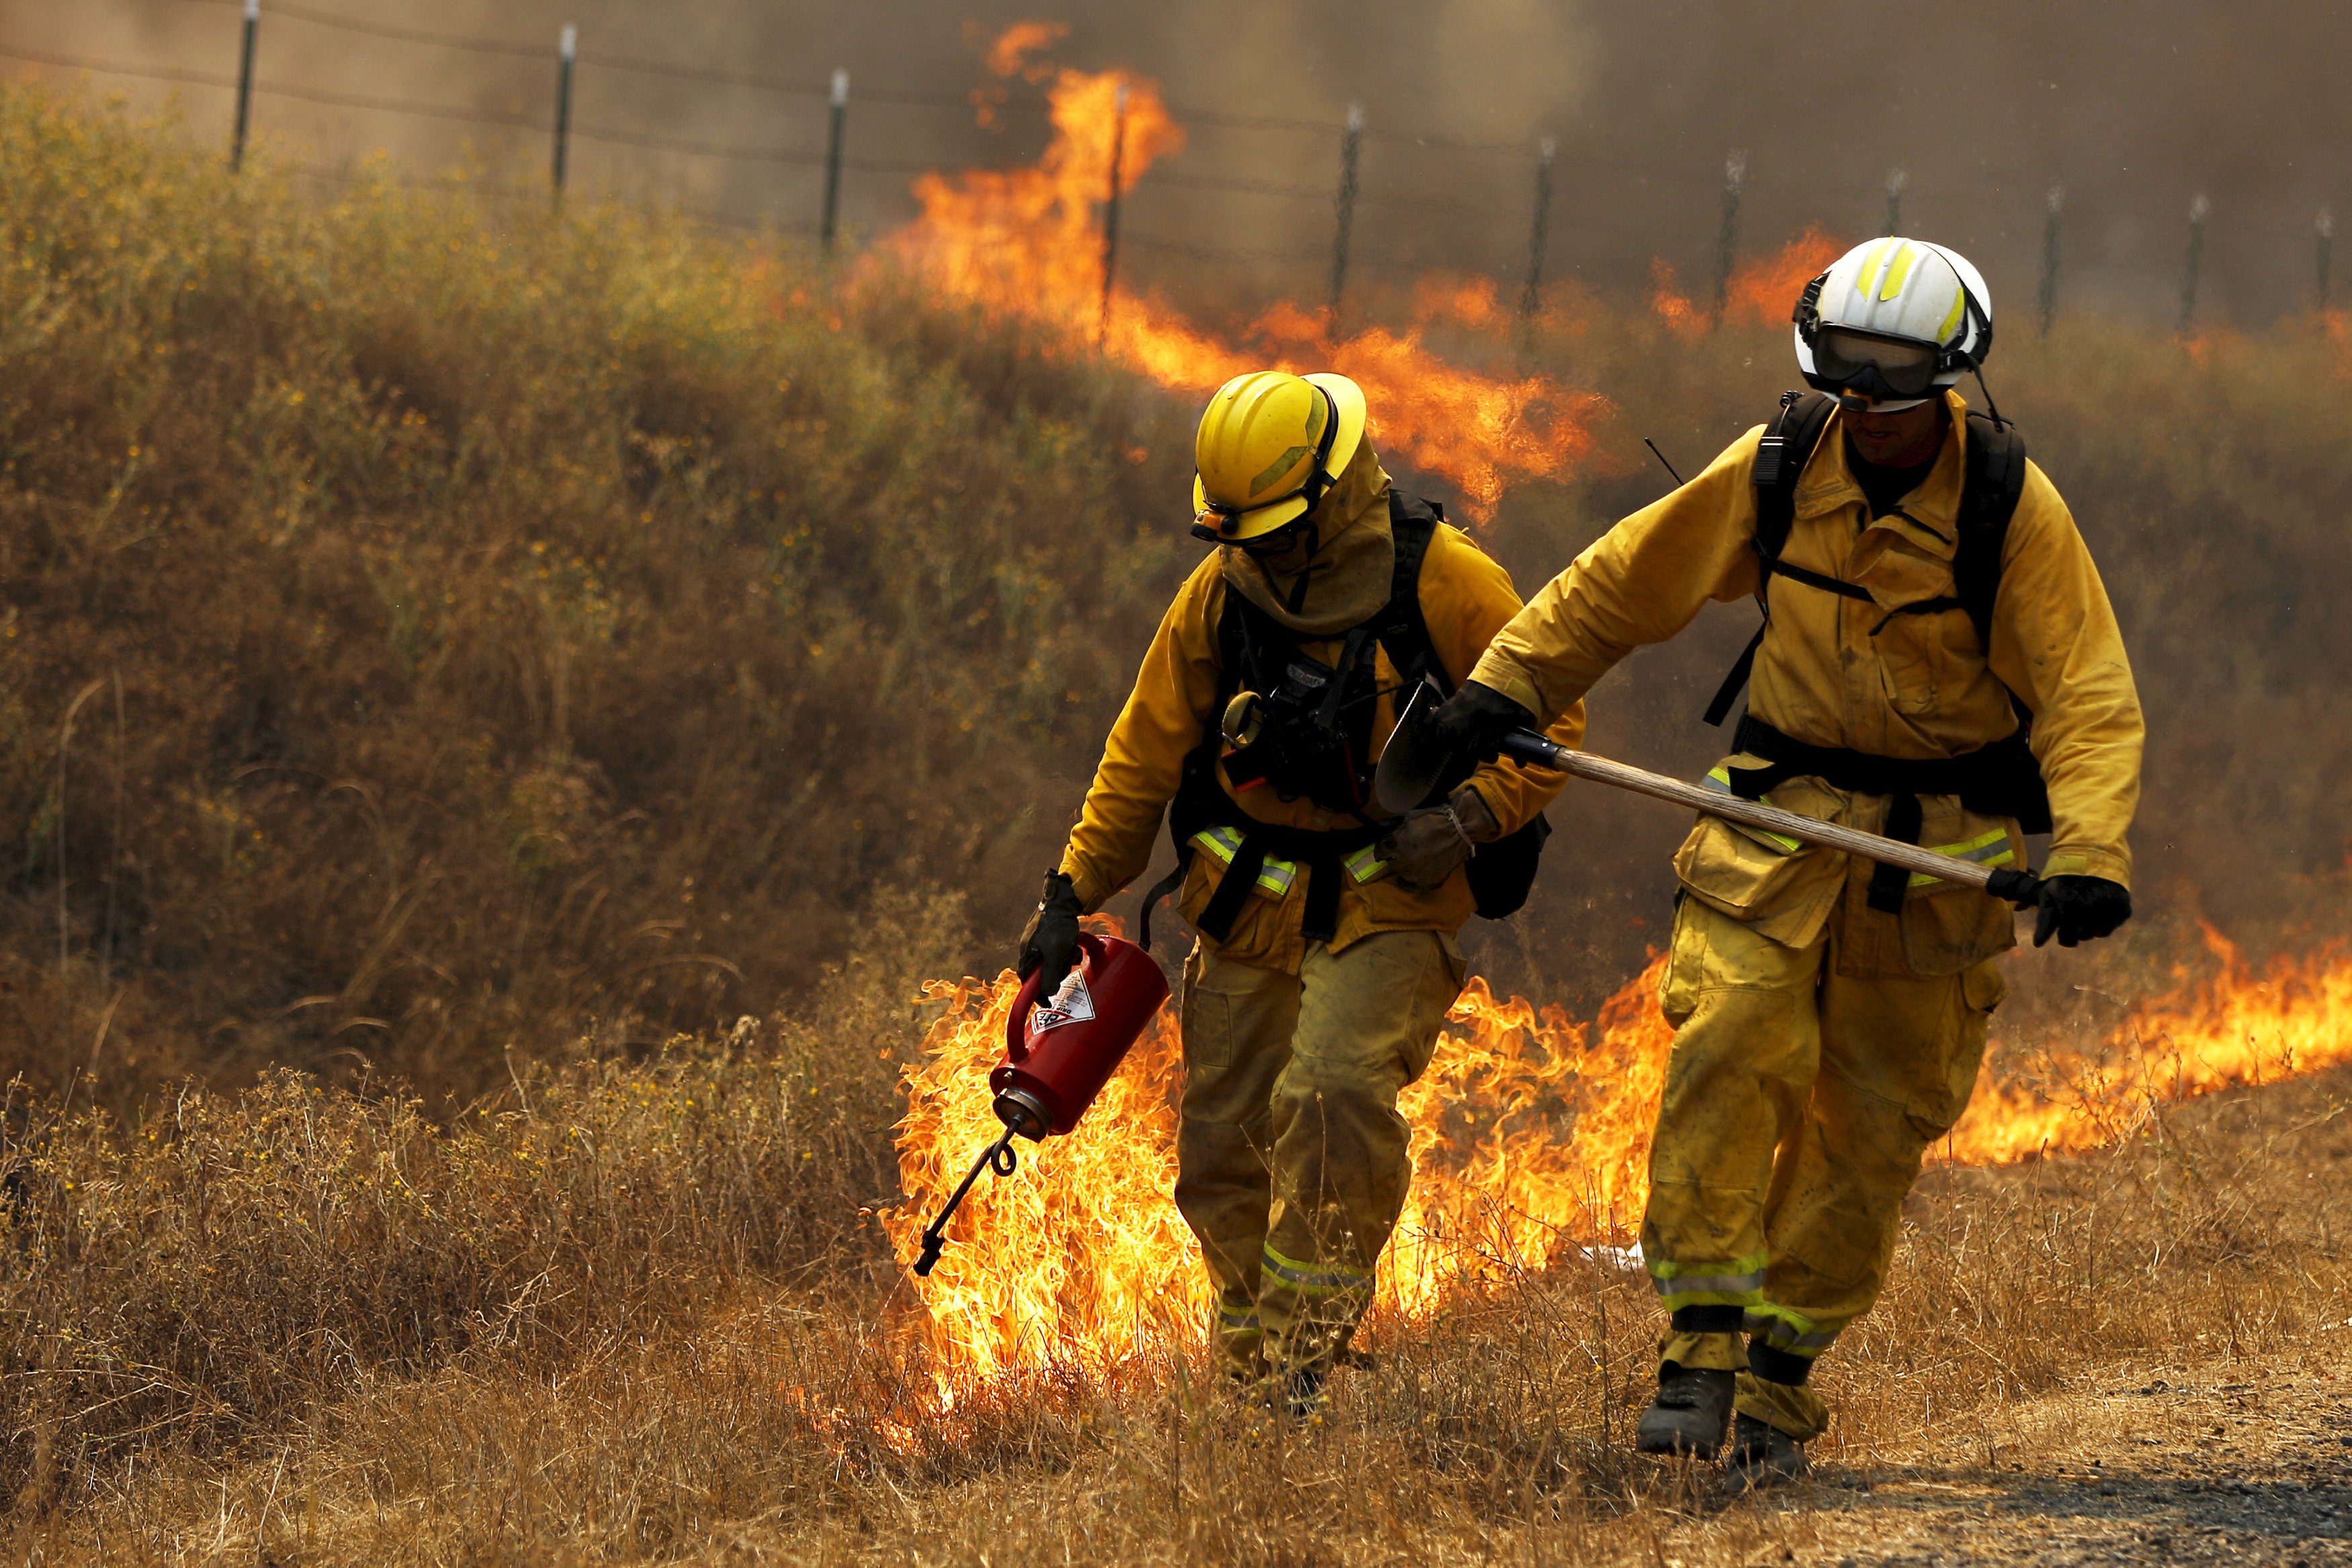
(1875,367)
(1214,522)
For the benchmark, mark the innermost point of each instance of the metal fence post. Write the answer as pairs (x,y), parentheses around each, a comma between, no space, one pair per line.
(1111,213)
(2057,206)
(837,122)
(570,48)
(2326,237)
(1539,235)
(1726,238)
(1348,143)
(245,84)
(1897,181)
(2197,212)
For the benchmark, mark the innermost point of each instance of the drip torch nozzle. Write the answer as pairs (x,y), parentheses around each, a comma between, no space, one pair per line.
(998,1156)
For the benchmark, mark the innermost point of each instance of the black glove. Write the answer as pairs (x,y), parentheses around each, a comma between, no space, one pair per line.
(1474,721)
(1051,943)
(2080,909)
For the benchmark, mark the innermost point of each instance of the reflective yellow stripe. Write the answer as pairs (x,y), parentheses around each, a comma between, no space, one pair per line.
(1273,878)
(1314,1279)
(1789,1330)
(1720,782)
(1987,848)
(1366,865)
(1959,298)
(1897,269)
(1867,274)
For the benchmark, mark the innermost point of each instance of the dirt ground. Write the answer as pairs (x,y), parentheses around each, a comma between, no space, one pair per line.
(2220,1461)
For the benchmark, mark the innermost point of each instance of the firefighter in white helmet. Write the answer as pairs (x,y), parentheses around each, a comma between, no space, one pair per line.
(1939,663)
(1325,961)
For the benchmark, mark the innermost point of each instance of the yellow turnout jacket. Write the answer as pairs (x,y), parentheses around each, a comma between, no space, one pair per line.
(1843,672)
(1466,598)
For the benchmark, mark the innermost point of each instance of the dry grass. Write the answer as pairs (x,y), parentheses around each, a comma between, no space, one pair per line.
(433,630)
(600,1351)
(475,659)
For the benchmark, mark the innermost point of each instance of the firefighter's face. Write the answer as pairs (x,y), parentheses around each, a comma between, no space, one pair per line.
(1900,439)
(1286,549)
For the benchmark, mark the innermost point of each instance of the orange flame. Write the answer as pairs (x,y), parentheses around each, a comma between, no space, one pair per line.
(1026,242)
(2235,1027)
(1464,301)
(1763,290)
(1009,55)
(1530,1132)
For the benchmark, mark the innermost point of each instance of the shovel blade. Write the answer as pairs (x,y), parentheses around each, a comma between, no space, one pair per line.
(1415,764)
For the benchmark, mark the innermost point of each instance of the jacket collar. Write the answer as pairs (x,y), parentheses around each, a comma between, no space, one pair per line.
(1929,518)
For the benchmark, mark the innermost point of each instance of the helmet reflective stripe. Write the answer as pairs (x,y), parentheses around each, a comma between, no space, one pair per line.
(1910,290)
(1269,445)
(1898,267)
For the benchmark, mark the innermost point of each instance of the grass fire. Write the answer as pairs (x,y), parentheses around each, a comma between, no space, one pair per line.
(532,731)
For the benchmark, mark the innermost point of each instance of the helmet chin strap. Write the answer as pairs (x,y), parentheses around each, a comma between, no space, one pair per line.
(1991,407)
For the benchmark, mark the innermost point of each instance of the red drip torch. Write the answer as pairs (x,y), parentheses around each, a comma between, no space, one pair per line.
(1058,1055)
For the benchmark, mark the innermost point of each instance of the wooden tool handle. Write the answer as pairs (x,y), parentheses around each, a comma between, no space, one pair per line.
(1530,747)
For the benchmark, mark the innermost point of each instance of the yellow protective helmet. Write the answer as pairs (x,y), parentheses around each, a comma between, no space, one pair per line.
(1270,444)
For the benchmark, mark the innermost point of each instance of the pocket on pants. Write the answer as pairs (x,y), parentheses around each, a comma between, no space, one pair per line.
(1207,1020)
(1945,1098)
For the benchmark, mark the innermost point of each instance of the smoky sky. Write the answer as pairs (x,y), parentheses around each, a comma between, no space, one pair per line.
(2135,109)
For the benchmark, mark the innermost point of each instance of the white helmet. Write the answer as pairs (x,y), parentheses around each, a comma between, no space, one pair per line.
(1892,320)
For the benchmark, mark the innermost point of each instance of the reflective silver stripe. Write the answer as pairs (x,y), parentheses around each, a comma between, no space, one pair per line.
(1222,844)
(1991,849)
(1245,1319)
(1710,1284)
(1780,1333)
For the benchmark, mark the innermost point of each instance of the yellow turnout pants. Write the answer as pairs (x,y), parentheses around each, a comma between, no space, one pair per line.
(1799,1103)
(1290,1156)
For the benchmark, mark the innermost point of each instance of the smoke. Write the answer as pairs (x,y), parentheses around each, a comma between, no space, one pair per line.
(2134,106)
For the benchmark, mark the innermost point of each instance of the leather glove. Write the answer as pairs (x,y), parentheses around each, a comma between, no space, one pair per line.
(1427,846)
(1051,943)
(1474,720)
(2080,909)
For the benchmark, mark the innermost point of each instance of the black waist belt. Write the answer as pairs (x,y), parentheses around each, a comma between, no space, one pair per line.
(1997,780)
(1321,856)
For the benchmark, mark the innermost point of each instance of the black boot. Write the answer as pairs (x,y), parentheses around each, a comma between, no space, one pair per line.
(1689,1413)
(1302,1394)
(1763,1456)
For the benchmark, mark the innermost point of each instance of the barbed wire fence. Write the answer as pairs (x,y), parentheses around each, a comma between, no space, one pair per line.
(564,55)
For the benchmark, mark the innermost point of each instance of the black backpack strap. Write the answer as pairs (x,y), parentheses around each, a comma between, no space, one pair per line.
(1780,459)
(1996,478)
(1199,796)
(1412,525)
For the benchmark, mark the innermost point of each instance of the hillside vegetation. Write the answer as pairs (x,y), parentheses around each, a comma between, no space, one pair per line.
(437,627)
(434,627)
(503,709)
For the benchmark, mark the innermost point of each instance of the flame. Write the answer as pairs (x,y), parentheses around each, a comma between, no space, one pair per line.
(1009,55)
(2233,1026)
(1763,290)
(1080,1259)
(1026,243)
(1672,306)
(1461,300)
(1530,1132)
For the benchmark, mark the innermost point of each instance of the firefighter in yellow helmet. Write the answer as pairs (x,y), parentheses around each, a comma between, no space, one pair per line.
(1326,958)
(1925,592)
